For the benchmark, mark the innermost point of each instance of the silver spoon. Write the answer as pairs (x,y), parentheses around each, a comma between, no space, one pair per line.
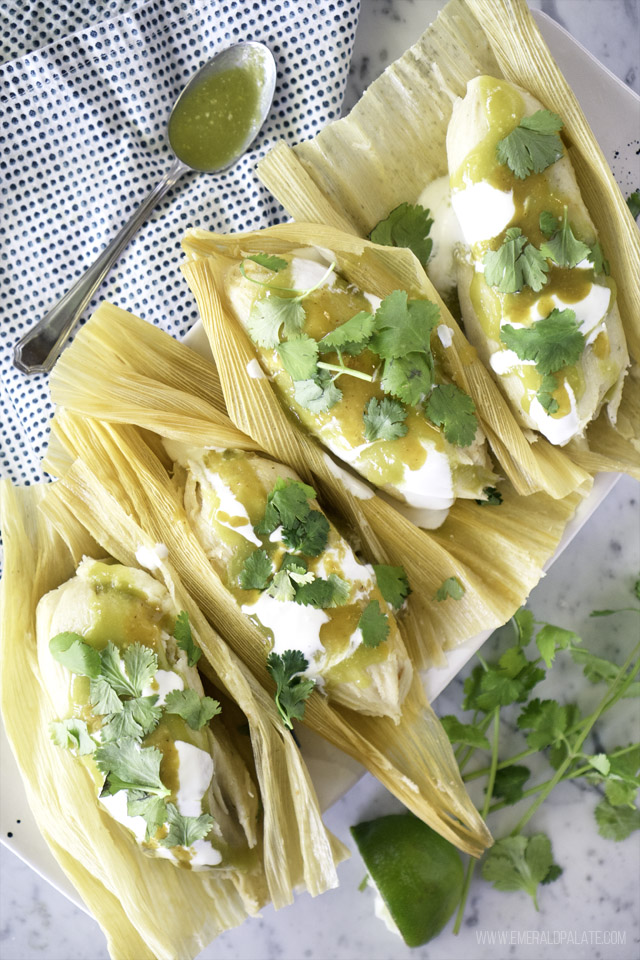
(40,347)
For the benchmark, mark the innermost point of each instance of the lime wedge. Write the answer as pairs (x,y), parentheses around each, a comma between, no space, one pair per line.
(419,874)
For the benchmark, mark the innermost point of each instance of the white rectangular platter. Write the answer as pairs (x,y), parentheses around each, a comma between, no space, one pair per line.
(609,106)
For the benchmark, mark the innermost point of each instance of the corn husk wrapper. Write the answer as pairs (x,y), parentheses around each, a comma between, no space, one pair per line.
(392,145)
(412,758)
(387,536)
(146,907)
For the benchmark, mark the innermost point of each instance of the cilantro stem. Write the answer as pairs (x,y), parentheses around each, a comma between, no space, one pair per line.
(482,726)
(610,697)
(471,866)
(348,370)
(301,293)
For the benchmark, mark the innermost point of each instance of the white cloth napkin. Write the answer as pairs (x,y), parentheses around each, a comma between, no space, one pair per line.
(82,138)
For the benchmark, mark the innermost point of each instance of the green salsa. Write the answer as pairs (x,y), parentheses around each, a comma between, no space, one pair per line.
(212,122)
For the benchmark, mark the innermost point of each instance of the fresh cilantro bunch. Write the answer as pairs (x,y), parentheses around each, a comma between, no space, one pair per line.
(406,226)
(534,144)
(125,717)
(292,688)
(558,731)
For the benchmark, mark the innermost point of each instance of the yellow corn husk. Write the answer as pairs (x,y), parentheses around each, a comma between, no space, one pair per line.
(386,535)
(146,907)
(413,757)
(392,145)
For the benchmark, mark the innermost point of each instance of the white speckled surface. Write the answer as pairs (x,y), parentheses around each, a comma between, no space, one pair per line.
(596,901)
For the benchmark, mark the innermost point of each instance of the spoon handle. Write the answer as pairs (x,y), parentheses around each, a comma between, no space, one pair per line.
(40,347)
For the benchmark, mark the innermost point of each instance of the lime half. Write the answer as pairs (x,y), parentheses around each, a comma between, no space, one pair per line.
(418,873)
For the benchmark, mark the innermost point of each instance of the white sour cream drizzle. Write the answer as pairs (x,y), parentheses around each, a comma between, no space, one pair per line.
(558,430)
(352,484)
(230,505)
(445,334)
(445,233)
(307,273)
(163,683)
(254,370)
(195,770)
(294,626)
(482,211)
(151,557)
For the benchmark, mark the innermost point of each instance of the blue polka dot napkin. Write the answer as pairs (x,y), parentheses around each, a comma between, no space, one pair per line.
(82,141)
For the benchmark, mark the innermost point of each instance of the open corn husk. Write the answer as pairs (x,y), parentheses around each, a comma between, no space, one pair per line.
(493,591)
(392,145)
(146,907)
(413,757)
(380,271)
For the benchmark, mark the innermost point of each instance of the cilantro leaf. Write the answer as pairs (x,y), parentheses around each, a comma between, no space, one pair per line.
(291,689)
(453,410)
(281,587)
(373,624)
(563,248)
(128,766)
(633,202)
(269,261)
(408,378)
(493,495)
(407,225)
(256,571)
(616,823)
(350,337)
(403,326)
(516,263)
(184,638)
(546,719)
(596,669)
(112,672)
(147,805)
(136,719)
(393,583)
(509,783)
(324,594)
(548,223)
(72,652)
(551,639)
(269,313)
(103,698)
(508,681)
(534,144)
(299,357)
(384,420)
(294,564)
(451,587)
(318,394)
(141,664)
(286,505)
(519,863)
(524,623)
(197,711)
(309,537)
(552,343)
(72,734)
(464,733)
(597,258)
(185,831)
(545,394)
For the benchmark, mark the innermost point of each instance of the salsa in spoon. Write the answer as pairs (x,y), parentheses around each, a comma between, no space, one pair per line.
(213,122)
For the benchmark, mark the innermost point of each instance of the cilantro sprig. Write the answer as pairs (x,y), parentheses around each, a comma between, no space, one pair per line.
(292,689)
(533,146)
(557,731)
(452,409)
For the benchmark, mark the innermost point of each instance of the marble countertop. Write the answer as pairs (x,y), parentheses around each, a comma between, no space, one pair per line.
(593,910)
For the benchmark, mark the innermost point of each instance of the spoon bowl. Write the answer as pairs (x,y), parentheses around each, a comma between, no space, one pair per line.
(213,122)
